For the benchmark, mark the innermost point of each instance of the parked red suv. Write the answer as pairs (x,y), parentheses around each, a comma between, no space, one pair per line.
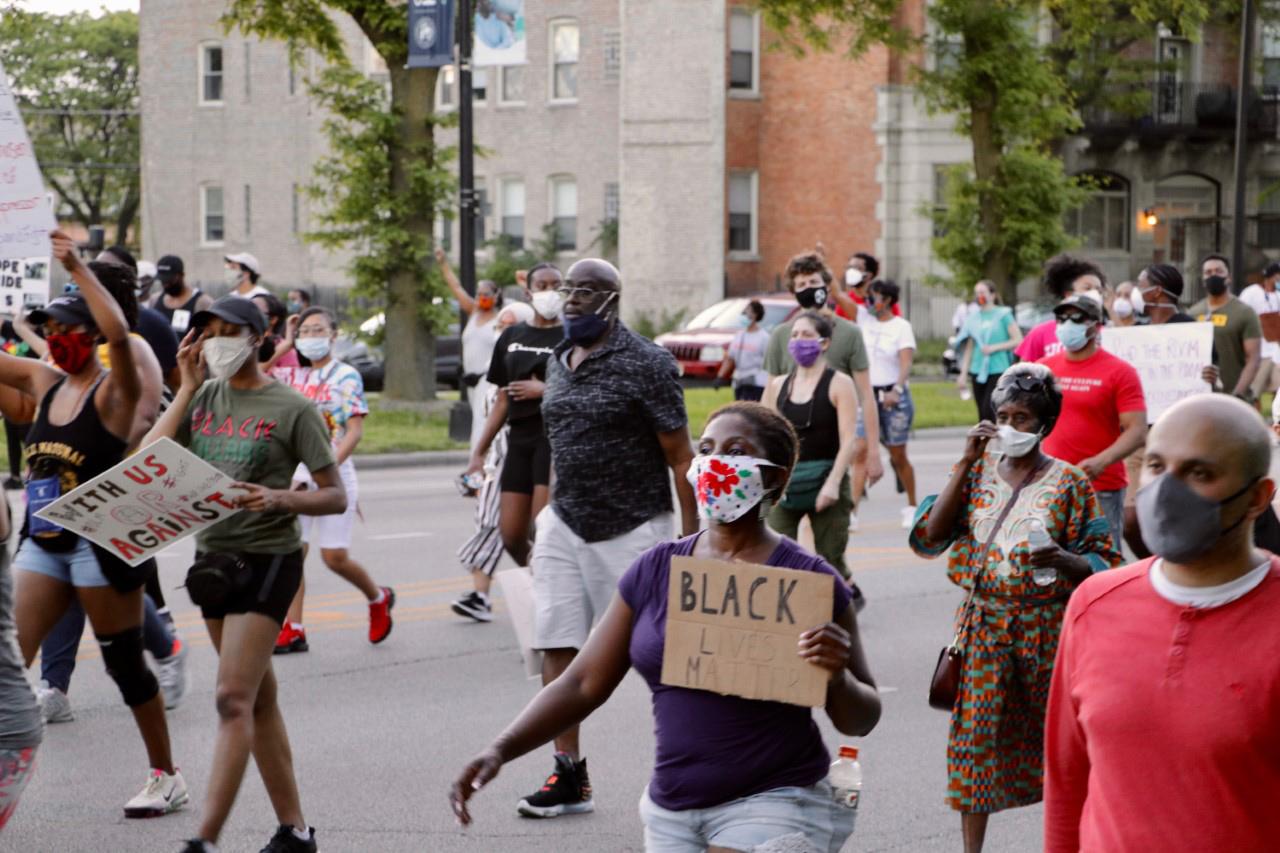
(700,346)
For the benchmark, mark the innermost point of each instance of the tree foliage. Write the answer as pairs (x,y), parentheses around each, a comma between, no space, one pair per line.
(76,79)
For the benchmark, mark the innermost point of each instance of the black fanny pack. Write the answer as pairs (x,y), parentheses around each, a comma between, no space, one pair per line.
(214,579)
(471,380)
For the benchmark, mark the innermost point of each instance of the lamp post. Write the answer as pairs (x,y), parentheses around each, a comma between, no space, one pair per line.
(466,154)
(1242,141)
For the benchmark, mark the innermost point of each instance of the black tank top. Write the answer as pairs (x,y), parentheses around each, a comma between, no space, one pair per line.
(72,454)
(816,421)
(189,306)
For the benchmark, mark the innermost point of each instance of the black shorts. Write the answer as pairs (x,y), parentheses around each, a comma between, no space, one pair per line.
(276,578)
(528,461)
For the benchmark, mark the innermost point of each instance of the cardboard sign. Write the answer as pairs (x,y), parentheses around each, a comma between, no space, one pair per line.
(160,495)
(24,284)
(1169,359)
(1270,326)
(25,217)
(732,628)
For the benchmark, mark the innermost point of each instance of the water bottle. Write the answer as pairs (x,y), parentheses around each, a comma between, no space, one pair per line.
(845,778)
(1038,537)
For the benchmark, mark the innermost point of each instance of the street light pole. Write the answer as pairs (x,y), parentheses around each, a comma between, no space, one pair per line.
(1243,87)
(466,154)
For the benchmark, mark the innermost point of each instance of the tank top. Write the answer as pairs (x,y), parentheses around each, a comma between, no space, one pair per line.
(816,421)
(179,318)
(477,345)
(61,457)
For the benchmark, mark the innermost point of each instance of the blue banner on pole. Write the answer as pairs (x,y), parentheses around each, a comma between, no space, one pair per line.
(430,33)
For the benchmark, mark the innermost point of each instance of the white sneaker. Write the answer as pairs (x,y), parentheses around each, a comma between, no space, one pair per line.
(163,794)
(908,517)
(853,522)
(172,675)
(54,704)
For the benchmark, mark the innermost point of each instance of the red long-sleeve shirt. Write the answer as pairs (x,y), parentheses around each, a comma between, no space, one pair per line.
(1163,725)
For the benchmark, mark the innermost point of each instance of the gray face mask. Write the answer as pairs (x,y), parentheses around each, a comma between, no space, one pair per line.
(1179,525)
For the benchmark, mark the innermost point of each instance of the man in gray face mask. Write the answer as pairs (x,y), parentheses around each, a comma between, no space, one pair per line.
(1167,667)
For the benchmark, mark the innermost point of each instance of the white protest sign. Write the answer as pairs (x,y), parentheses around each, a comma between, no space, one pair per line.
(25,217)
(1169,359)
(24,284)
(160,495)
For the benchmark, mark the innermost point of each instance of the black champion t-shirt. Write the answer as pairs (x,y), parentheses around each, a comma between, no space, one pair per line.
(521,353)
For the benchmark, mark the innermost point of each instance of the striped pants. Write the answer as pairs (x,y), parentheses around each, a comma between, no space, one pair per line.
(484,549)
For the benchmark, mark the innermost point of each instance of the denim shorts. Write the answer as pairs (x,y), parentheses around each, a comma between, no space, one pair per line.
(895,421)
(77,567)
(746,824)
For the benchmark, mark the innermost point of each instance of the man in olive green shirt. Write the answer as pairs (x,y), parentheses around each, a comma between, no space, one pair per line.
(1237,332)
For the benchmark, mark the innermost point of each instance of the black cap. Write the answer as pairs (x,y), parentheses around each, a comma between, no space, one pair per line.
(1087,305)
(233,309)
(168,268)
(68,310)
(1272,268)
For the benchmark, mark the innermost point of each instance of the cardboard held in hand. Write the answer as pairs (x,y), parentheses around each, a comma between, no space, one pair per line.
(160,495)
(733,628)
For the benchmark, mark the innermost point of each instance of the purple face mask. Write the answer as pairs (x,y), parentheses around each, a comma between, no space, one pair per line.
(805,350)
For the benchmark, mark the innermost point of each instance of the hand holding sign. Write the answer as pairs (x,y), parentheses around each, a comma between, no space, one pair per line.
(260,498)
(827,646)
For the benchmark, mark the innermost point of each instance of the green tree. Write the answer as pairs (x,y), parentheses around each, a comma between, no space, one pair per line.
(1015,94)
(385,179)
(76,81)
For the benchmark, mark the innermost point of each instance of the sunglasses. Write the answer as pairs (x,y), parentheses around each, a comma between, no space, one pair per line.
(1026,383)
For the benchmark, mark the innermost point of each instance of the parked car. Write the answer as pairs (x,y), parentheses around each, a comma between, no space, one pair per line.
(365,359)
(448,350)
(701,344)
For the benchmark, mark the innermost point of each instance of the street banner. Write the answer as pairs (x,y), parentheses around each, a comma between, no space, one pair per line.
(24,284)
(430,33)
(517,593)
(160,495)
(499,33)
(25,217)
(1169,359)
(732,628)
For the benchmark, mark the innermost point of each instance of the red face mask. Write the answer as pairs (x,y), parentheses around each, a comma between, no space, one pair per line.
(71,351)
(485,303)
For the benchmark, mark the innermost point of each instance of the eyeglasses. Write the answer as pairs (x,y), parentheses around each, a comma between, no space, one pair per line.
(582,294)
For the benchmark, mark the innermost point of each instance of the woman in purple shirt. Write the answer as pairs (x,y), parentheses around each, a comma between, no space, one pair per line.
(730,773)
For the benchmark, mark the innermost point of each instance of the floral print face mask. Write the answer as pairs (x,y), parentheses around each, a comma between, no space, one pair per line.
(727,487)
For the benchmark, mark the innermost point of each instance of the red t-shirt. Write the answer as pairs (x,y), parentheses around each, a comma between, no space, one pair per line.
(897,309)
(1161,729)
(1095,392)
(1040,342)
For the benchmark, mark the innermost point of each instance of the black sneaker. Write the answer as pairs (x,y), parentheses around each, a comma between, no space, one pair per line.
(196,845)
(566,791)
(284,841)
(474,607)
(12,483)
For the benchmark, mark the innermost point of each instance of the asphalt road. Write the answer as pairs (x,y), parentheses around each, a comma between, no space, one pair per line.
(379,732)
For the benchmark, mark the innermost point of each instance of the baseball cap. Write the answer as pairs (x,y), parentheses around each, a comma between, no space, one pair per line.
(68,310)
(146,269)
(169,267)
(1091,308)
(235,310)
(247,261)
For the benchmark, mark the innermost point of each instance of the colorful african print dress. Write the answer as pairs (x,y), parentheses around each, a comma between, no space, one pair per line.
(995,750)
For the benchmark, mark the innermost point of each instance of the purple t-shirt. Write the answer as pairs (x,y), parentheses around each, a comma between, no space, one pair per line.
(711,748)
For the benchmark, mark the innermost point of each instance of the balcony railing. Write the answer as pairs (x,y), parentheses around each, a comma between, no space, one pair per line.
(1168,108)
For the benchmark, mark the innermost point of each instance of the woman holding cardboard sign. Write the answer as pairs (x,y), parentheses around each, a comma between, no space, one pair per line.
(1023,530)
(730,773)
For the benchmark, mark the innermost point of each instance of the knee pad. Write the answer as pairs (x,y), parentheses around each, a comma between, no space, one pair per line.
(122,655)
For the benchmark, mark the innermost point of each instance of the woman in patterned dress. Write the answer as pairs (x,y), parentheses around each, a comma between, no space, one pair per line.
(1009,628)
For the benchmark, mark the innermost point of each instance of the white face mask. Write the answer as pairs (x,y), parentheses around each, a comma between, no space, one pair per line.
(1124,307)
(1095,295)
(1015,444)
(313,349)
(727,487)
(1139,304)
(852,277)
(547,303)
(231,277)
(225,356)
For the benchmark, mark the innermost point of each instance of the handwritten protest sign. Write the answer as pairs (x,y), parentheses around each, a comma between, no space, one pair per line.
(24,284)
(25,218)
(160,495)
(732,628)
(1169,359)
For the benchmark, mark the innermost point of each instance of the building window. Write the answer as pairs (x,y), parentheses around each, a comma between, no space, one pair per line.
(213,223)
(612,202)
(564,61)
(564,213)
(511,84)
(512,200)
(295,211)
(1271,61)
(1269,211)
(479,85)
(742,212)
(446,88)
(248,68)
(947,50)
(611,48)
(744,51)
(211,74)
(248,211)
(1102,222)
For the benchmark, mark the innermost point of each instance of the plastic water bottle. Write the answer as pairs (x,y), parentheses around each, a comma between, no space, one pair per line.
(1038,537)
(845,778)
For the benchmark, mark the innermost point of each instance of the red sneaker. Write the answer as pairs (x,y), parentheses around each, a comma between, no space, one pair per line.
(291,639)
(380,616)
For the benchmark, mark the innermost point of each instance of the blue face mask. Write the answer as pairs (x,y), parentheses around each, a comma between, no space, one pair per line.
(585,329)
(743,321)
(1072,335)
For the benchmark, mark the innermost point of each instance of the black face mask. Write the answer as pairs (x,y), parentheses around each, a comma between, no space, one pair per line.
(173,288)
(811,298)
(1216,285)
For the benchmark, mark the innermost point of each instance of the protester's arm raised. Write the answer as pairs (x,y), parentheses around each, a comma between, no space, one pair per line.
(191,367)
(465,302)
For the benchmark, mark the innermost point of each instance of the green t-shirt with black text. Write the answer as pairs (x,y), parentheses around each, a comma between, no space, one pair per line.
(847,353)
(1233,324)
(255,436)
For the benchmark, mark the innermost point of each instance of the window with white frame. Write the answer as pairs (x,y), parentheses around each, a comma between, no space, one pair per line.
(212,220)
(744,51)
(564,60)
(446,88)
(511,84)
(512,201)
(564,212)
(742,212)
(211,74)
(1103,220)
(612,202)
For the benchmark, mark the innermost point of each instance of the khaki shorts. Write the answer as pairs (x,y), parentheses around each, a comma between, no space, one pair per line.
(1266,379)
(1133,466)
